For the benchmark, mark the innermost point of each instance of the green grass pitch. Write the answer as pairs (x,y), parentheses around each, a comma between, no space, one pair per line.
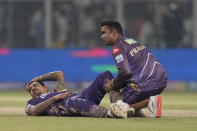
(179,114)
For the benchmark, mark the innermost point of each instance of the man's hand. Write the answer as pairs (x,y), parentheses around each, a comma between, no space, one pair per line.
(28,84)
(36,79)
(108,85)
(61,96)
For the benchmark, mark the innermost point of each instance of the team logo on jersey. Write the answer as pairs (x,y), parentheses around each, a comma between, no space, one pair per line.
(119,58)
(115,50)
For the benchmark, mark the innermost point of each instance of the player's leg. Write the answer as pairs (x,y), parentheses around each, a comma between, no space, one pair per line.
(95,92)
(118,107)
(139,98)
(78,106)
(153,103)
(130,96)
(139,107)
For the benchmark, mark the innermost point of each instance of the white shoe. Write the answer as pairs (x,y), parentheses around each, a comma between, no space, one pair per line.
(121,109)
(118,111)
(154,106)
(125,106)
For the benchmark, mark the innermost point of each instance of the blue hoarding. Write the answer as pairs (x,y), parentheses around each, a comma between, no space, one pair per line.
(86,64)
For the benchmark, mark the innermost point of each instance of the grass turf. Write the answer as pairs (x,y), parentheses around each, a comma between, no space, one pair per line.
(178,101)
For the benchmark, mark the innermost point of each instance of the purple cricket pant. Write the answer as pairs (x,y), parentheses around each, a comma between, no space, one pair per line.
(87,101)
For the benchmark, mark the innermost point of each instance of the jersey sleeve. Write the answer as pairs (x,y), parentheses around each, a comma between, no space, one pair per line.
(122,64)
(30,103)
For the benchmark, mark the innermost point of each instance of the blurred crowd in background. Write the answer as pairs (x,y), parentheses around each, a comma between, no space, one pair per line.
(75,23)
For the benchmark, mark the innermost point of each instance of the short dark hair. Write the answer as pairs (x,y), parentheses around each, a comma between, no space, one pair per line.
(113,25)
(27,88)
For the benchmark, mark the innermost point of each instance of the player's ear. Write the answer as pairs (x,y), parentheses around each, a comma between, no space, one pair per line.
(113,31)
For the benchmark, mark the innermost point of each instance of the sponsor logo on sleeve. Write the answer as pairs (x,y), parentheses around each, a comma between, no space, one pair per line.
(115,50)
(119,58)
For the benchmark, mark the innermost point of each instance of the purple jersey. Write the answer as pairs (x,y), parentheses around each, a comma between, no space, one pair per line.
(84,103)
(136,64)
(74,105)
(54,110)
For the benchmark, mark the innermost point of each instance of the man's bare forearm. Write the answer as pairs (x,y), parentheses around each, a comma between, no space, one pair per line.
(60,85)
(54,76)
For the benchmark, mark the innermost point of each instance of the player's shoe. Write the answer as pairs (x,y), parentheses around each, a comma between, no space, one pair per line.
(154,106)
(140,113)
(125,106)
(121,109)
(118,111)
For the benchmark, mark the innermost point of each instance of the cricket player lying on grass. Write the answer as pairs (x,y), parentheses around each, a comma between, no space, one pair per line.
(64,103)
(85,103)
